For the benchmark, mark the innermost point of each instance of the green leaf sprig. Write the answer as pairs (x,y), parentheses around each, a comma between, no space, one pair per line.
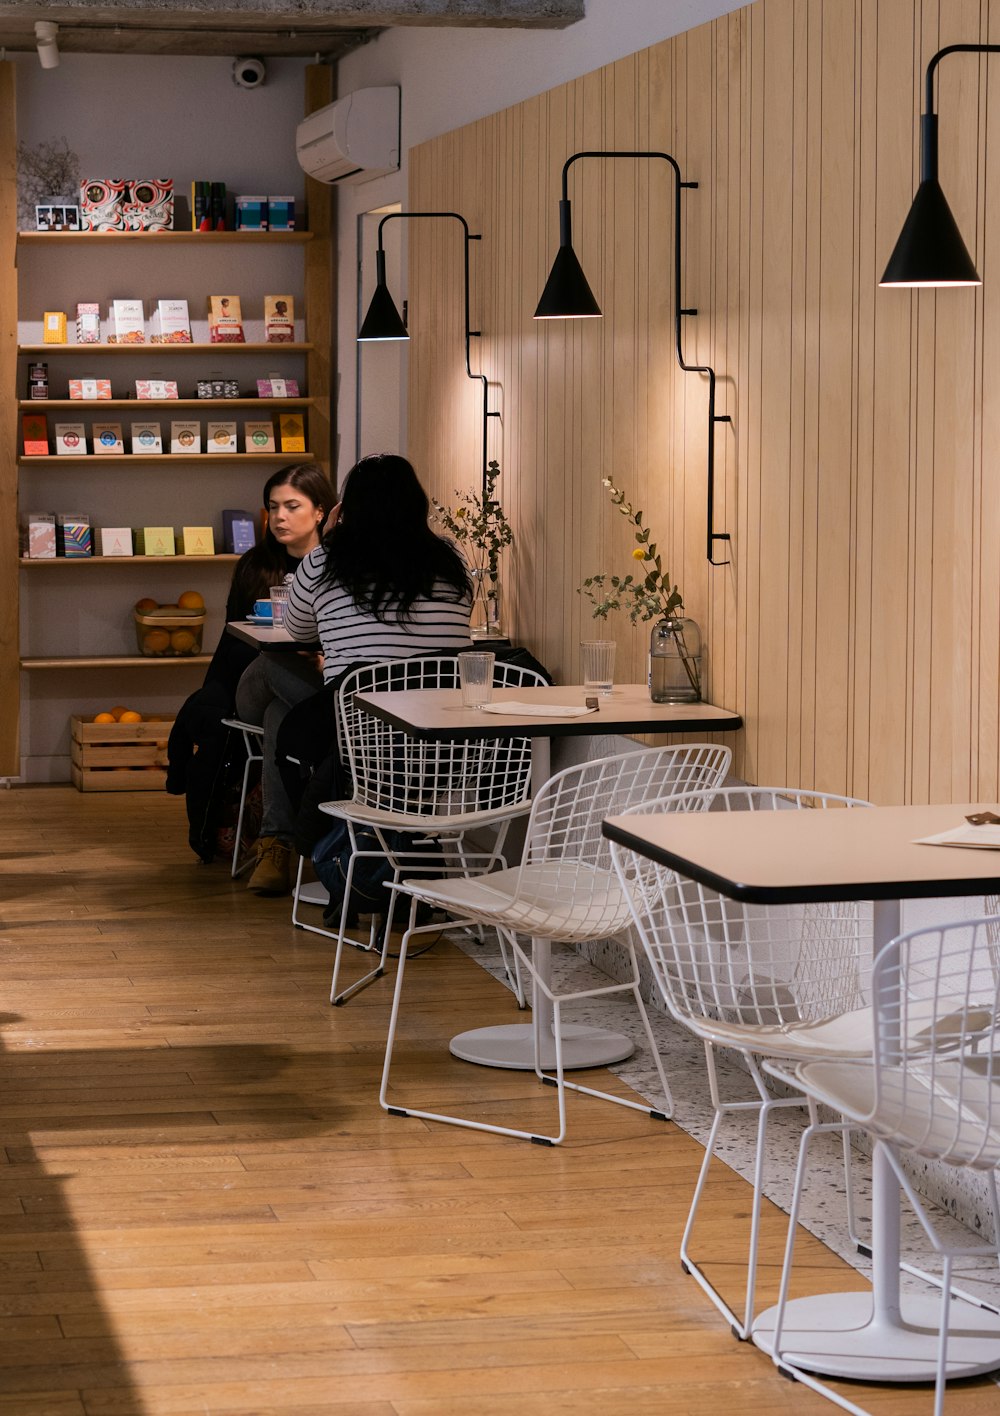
(646,597)
(478,522)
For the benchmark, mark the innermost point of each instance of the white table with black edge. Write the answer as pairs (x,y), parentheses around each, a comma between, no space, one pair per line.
(795,857)
(438,714)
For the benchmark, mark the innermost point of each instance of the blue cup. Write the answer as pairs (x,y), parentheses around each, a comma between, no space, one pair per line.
(262,609)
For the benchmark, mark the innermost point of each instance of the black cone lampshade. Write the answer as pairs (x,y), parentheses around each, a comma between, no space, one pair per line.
(567,295)
(382,320)
(930,250)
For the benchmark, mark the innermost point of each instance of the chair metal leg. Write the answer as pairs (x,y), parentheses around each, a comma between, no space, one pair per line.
(239,866)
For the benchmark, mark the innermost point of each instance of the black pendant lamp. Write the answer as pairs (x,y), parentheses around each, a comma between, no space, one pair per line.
(382,320)
(930,251)
(567,294)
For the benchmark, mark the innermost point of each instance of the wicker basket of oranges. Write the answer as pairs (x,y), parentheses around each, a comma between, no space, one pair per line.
(170,631)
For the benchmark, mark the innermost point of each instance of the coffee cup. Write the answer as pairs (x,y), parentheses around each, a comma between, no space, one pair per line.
(262,609)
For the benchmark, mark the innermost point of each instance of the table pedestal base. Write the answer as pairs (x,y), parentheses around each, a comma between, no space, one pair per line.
(513,1046)
(835,1335)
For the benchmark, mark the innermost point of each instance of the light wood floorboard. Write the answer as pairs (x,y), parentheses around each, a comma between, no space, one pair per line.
(204,1210)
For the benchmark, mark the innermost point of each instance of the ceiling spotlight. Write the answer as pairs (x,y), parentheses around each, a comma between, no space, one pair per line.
(46,39)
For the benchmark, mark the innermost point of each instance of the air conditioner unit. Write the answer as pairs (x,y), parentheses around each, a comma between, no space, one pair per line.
(353,139)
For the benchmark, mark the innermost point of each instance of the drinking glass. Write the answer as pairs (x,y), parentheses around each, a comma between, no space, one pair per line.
(279,598)
(475,674)
(597,657)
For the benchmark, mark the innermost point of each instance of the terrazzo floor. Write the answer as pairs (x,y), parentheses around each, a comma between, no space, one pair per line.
(823,1209)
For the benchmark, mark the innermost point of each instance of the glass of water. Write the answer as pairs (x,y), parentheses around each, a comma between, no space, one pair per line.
(597,658)
(475,674)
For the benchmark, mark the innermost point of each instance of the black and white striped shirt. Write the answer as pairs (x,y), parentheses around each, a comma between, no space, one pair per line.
(349,634)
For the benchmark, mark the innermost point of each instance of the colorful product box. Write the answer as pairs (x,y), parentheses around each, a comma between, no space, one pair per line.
(220,437)
(198,540)
(88,323)
(156,388)
(102,204)
(239,532)
(258,436)
(225,320)
(41,539)
(38,380)
(273,387)
(90,390)
(251,213)
(54,327)
(35,432)
(171,323)
(74,538)
(293,432)
(155,541)
(126,322)
(115,541)
(279,319)
(185,437)
(108,439)
(281,213)
(146,439)
(149,204)
(71,439)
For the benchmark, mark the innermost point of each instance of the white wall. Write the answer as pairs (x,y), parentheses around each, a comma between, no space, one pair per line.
(450,77)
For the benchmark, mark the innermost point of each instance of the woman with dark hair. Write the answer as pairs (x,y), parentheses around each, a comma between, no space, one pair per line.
(381,585)
(297,501)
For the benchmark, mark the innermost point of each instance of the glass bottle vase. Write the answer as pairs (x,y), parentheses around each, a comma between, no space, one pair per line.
(485,622)
(675,661)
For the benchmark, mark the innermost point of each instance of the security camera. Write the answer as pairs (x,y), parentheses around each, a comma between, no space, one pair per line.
(249,73)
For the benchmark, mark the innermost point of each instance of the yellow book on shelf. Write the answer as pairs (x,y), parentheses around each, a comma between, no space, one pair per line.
(198,540)
(293,432)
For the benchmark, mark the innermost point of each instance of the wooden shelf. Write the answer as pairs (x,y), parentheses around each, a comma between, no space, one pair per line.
(34,564)
(164,238)
(98,405)
(156,350)
(203,459)
(116,661)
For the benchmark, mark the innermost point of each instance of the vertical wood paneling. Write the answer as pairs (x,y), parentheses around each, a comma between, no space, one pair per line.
(9,433)
(857,627)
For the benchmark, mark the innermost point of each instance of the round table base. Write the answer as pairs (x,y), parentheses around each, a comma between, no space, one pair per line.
(833,1334)
(513,1046)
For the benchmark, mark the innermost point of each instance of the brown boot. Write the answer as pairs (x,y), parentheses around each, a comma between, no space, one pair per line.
(273,872)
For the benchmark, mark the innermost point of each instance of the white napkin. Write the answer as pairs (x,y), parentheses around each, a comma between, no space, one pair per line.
(982,837)
(539,710)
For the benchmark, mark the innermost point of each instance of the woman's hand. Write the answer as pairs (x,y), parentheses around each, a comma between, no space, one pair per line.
(331,520)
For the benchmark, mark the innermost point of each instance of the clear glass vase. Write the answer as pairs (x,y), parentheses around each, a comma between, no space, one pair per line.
(675,661)
(486,621)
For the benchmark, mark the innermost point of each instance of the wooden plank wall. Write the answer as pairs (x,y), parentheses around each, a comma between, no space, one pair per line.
(858,625)
(9,432)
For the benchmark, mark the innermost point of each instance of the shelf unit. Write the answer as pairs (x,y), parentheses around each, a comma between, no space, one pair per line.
(66,627)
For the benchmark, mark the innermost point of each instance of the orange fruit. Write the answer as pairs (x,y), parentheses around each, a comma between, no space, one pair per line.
(130,716)
(155,641)
(182,641)
(145,605)
(104,718)
(117,711)
(190,600)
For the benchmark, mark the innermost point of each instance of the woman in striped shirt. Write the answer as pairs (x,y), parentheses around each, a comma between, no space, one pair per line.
(381,585)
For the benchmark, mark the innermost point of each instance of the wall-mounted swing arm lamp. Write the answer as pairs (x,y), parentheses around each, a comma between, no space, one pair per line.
(567,295)
(930,250)
(383,321)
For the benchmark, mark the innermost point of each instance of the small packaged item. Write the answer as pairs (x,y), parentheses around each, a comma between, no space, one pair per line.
(171,323)
(220,437)
(238,531)
(90,390)
(259,436)
(108,439)
(146,439)
(149,204)
(115,541)
(54,327)
(251,213)
(185,437)
(88,323)
(102,204)
(201,203)
(35,432)
(275,387)
(225,320)
(279,319)
(127,322)
(38,380)
(281,213)
(198,540)
(293,432)
(71,439)
(231,388)
(74,538)
(155,541)
(155,388)
(41,538)
(203,388)
(217,206)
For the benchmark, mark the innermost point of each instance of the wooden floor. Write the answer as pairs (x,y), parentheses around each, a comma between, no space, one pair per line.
(204,1210)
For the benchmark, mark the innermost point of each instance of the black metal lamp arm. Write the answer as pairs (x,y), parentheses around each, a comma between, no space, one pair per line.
(565,237)
(470,333)
(928,119)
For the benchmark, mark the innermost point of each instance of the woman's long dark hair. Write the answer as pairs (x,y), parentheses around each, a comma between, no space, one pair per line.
(266,564)
(382,551)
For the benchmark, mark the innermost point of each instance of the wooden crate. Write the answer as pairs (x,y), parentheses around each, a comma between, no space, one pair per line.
(118,757)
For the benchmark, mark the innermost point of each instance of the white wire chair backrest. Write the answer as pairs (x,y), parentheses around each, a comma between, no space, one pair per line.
(566,882)
(717,959)
(936,1001)
(394,771)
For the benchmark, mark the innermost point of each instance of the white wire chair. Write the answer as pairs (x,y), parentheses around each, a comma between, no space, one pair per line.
(763,980)
(565,892)
(253,741)
(432,791)
(930,1088)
